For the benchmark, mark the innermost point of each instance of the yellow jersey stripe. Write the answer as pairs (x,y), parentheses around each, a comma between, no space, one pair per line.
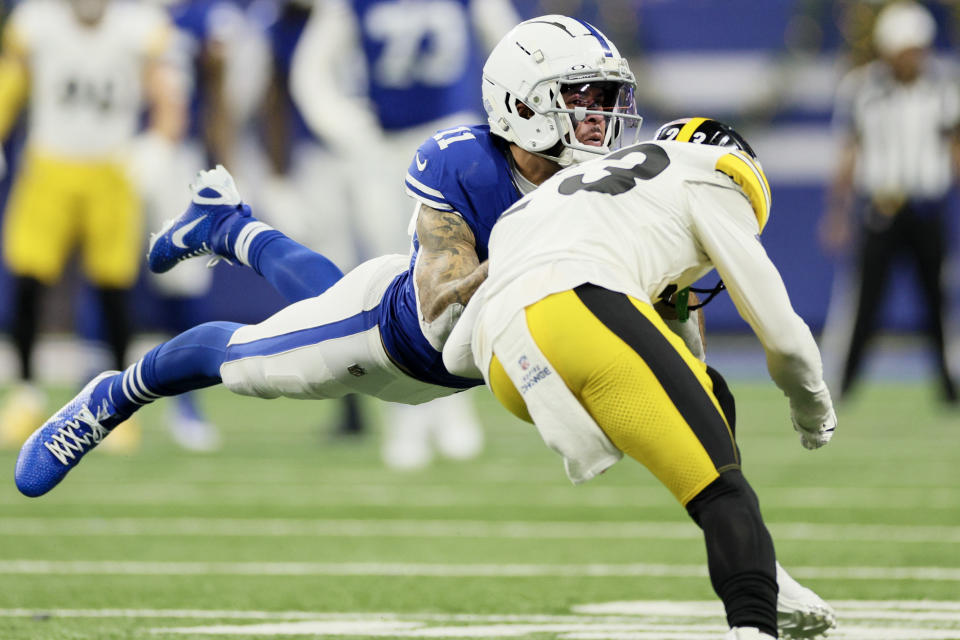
(688,129)
(751,179)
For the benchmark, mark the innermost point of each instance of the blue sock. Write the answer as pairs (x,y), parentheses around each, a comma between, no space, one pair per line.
(295,271)
(189,361)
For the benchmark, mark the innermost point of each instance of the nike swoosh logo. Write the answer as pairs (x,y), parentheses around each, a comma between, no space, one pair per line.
(179,234)
(421,165)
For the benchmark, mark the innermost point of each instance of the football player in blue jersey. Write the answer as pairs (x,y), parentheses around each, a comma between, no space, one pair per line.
(556,91)
(379,329)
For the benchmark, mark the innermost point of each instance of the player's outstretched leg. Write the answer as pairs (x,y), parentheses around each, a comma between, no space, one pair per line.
(189,361)
(801,613)
(218,223)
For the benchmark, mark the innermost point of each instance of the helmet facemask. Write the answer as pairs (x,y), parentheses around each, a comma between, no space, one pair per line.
(596,104)
(609,105)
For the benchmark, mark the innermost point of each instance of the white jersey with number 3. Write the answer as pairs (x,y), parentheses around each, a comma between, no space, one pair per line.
(641,219)
(85,81)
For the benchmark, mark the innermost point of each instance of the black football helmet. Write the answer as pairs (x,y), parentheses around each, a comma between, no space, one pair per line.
(699,131)
(704,131)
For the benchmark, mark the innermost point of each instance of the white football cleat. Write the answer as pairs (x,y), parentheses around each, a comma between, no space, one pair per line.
(406,442)
(188,427)
(801,613)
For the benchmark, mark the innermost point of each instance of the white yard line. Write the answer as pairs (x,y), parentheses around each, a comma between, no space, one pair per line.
(159,526)
(596,612)
(75,567)
(651,620)
(910,610)
(400,494)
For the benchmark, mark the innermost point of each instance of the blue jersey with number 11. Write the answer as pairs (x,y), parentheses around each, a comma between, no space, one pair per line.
(464,170)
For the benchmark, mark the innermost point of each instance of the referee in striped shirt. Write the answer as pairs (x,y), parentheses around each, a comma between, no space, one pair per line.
(900,116)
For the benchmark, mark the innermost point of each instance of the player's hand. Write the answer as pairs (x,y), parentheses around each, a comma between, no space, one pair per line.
(815,435)
(813,417)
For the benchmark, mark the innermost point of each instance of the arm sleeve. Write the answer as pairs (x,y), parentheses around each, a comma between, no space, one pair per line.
(727,231)
(328,46)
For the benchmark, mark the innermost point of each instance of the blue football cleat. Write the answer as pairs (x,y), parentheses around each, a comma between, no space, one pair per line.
(193,234)
(57,446)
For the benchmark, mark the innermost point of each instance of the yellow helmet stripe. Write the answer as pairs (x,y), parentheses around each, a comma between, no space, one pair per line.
(689,128)
(748,174)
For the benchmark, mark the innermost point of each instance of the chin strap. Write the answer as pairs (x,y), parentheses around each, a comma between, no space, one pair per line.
(682,305)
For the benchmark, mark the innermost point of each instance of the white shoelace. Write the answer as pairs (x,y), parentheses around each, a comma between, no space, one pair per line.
(67,445)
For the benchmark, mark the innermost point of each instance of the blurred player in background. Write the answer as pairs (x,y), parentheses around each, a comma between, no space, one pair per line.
(899,117)
(203,33)
(403,70)
(565,334)
(86,69)
(305,179)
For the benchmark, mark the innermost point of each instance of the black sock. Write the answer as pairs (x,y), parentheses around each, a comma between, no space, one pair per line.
(740,552)
(26,311)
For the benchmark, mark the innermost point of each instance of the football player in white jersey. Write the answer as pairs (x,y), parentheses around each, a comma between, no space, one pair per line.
(565,334)
(86,69)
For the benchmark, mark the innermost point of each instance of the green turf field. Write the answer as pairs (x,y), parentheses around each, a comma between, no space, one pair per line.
(284,534)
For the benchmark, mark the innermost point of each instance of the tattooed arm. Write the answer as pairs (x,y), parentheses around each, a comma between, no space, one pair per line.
(448,270)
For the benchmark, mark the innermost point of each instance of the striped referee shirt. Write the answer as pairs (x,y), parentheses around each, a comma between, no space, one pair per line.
(904,131)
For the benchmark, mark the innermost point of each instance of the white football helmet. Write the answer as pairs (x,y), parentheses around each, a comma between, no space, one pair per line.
(538,62)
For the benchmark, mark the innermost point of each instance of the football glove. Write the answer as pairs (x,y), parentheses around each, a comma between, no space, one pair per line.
(814,419)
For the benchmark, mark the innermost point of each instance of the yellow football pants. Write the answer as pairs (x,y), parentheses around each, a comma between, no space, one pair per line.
(56,205)
(653,399)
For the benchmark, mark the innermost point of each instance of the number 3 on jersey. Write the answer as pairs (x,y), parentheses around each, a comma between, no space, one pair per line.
(624,168)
